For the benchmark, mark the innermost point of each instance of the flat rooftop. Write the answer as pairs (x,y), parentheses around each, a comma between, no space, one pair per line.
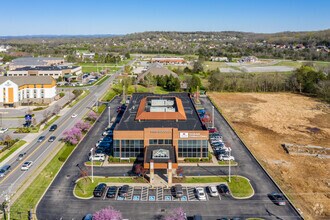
(45,68)
(129,121)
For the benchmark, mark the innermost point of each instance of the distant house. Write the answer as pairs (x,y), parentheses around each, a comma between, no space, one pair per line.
(168,60)
(156,69)
(219,59)
(249,59)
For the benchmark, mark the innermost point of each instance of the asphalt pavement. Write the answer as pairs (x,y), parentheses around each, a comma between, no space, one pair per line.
(59,202)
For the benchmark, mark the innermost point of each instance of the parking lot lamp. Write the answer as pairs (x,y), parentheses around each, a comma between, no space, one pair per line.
(229,163)
(109,116)
(92,164)
(212,116)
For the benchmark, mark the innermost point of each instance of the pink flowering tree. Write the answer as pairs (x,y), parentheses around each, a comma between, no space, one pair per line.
(108,213)
(72,136)
(92,116)
(176,214)
(83,126)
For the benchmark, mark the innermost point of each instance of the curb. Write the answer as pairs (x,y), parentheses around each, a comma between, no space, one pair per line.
(243,143)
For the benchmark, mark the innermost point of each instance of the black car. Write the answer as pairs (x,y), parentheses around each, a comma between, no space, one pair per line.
(177,191)
(223,189)
(123,191)
(277,198)
(51,139)
(53,128)
(99,189)
(111,193)
(41,138)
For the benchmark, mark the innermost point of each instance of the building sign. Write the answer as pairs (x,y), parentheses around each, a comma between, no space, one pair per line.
(160,131)
(184,135)
(7,83)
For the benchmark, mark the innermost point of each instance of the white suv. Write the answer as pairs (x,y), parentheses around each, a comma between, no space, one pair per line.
(97,157)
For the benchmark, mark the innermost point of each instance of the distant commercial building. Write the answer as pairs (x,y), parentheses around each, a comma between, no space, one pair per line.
(168,60)
(219,59)
(161,129)
(249,59)
(53,71)
(35,61)
(156,69)
(15,91)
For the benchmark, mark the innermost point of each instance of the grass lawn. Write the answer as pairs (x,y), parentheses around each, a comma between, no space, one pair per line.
(289,63)
(226,163)
(108,95)
(33,193)
(100,81)
(11,150)
(84,187)
(239,186)
(82,96)
(95,163)
(214,65)
(100,108)
(49,123)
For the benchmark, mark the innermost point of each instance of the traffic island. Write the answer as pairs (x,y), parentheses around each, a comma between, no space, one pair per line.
(240,187)
(84,187)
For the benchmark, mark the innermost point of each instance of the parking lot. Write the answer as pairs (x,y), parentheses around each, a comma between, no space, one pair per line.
(161,194)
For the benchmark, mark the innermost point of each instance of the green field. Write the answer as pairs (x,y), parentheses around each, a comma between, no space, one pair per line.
(208,65)
(84,187)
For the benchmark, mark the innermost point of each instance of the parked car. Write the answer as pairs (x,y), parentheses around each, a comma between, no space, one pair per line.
(107,133)
(226,157)
(212,130)
(4,170)
(277,198)
(103,144)
(107,139)
(74,115)
(3,130)
(200,193)
(26,165)
(213,191)
(177,191)
(99,190)
(223,189)
(123,191)
(97,157)
(51,139)
(41,138)
(21,156)
(88,217)
(112,190)
(53,127)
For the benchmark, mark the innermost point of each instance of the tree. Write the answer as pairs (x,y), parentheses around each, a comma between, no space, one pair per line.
(197,67)
(127,69)
(127,55)
(194,82)
(176,214)
(72,136)
(56,109)
(82,126)
(140,170)
(7,139)
(92,116)
(108,213)
(306,78)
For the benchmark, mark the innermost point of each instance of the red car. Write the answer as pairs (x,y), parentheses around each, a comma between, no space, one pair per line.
(213,130)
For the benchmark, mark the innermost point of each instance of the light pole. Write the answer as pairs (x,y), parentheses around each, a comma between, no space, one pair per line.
(229,162)
(212,116)
(109,116)
(92,164)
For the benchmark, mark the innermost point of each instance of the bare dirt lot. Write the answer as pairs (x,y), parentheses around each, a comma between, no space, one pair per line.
(267,120)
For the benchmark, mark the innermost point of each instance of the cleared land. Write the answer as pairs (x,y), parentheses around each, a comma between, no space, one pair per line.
(265,121)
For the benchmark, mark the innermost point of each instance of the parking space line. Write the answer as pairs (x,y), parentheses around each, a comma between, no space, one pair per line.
(105,194)
(159,193)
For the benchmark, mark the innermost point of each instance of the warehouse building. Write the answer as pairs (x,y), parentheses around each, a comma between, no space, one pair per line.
(35,61)
(53,71)
(161,129)
(15,91)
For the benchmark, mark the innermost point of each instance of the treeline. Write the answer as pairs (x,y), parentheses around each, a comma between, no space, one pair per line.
(305,80)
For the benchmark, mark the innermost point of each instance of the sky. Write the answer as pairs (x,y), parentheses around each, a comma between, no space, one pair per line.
(73,17)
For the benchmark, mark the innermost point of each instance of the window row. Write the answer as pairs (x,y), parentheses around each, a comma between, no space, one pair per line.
(160,141)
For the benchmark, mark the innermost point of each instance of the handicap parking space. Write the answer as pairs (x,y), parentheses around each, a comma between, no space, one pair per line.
(152,195)
(191,194)
(167,194)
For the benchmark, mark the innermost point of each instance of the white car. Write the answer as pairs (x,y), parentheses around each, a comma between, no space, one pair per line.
(26,165)
(226,157)
(213,191)
(74,115)
(200,193)
(3,130)
(97,157)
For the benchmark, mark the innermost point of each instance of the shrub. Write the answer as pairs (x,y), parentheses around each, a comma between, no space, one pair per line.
(191,160)
(61,94)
